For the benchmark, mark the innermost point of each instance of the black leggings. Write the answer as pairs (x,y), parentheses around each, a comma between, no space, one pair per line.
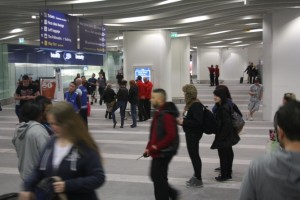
(192,144)
(226,159)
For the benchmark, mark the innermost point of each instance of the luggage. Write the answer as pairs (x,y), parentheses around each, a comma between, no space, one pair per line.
(242,80)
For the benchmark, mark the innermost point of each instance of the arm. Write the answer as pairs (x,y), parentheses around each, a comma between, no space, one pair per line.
(93,177)
(226,124)
(236,109)
(247,190)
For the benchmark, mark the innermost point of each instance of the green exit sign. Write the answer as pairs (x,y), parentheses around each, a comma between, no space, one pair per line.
(173,34)
(21,40)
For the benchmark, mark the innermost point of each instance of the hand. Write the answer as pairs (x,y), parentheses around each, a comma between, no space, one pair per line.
(25,195)
(180,121)
(146,153)
(59,186)
(154,147)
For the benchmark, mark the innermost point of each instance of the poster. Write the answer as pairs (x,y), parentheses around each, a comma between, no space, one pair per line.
(48,87)
(143,72)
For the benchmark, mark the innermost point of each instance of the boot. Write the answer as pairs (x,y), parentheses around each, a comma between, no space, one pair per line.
(106,114)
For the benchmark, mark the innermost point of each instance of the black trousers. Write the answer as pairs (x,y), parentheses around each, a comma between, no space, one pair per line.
(142,111)
(159,176)
(216,80)
(192,144)
(226,159)
(147,105)
(83,114)
(101,92)
(212,81)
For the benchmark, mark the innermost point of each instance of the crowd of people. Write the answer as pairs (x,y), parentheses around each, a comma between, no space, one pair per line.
(57,155)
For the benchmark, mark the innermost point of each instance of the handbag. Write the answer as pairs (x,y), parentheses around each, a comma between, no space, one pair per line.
(237,121)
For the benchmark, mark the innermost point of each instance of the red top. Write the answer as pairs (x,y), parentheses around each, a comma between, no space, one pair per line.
(170,125)
(148,89)
(217,71)
(141,88)
(211,70)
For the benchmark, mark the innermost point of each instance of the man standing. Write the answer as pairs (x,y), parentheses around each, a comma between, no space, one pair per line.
(122,99)
(276,176)
(211,75)
(101,86)
(82,92)
(141,103)
(93,83)
(217,74)
(256,93)
(162,145)
(148,91)
(25,92)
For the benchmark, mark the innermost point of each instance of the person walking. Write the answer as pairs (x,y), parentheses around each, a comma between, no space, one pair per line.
(141,103)
(192,124)
(162,145)
(226,136)
(101,86)
(217,74)
(211,70)
(122,98)
(148,91)
(248,70)
(72,156)
(133,100)
(256,93)
(93,83)
(109,98)
(29,139)
(276,175)
(83,94)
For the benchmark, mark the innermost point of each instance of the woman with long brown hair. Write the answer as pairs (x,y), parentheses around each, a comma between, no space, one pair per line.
(72,155)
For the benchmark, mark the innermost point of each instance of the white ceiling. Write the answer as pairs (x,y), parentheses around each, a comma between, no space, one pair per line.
(222,15)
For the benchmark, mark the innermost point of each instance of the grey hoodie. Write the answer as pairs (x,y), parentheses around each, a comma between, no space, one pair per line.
(275,176)
(29,141)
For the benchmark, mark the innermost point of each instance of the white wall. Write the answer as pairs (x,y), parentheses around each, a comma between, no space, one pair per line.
(180,60)
(233,63)
(194,62)
(286,56)
(149,48)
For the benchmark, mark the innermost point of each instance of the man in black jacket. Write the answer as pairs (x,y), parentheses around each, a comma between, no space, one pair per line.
(122,98)
(163,144)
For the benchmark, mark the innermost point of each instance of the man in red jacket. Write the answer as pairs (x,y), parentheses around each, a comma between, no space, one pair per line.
(141,103)
(148,91)
(163,144)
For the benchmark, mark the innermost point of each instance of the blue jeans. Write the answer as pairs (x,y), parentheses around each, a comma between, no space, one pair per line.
(122,106)
(133,113)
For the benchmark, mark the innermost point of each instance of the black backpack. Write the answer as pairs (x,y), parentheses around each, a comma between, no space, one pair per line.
(209,121)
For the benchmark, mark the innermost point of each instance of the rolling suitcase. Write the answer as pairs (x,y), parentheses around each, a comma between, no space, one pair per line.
(242,79)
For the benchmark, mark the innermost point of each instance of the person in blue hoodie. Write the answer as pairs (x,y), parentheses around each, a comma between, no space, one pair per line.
(70,163)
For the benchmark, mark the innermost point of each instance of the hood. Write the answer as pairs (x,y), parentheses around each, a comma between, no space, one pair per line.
(171,108)
(22,129)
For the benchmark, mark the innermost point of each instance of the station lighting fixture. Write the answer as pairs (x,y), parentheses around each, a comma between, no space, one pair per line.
(167,2)
(241,45)
(238,38)
(237,42)
(84,1)
(16,30)
(33,17)
(219,32)
(194,19)
(8,37)
(216,42)
(255,30)
(119,38)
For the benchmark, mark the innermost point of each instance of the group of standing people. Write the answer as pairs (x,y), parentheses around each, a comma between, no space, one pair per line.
(252,72)
(214,74)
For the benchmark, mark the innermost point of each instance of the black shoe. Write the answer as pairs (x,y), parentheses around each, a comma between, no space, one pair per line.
(121,126)
(221,178)
(95,100)
(132,126)
(115,124)
(92,103)
(106,114)
(218,169)
(141,120)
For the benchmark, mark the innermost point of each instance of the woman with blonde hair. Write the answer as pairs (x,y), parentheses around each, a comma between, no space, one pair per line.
(192,124)
(71,155)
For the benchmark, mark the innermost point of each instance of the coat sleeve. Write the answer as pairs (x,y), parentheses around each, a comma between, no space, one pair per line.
(93,177)
(226,123)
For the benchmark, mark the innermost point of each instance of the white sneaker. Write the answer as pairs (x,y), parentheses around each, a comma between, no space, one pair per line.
(251,119)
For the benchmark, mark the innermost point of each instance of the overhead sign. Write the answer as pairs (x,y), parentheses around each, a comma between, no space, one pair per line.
(21,40)
(58,31)
(173,34)
(92,37)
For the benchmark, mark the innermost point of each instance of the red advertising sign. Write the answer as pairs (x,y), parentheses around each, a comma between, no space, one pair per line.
(48,86)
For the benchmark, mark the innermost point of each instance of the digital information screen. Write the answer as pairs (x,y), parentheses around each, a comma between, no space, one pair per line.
(58,31)
(143,72)
(92,37)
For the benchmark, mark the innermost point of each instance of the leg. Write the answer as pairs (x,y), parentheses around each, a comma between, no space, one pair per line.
(101,91)
(148,108)
(122,112)
(113,114)
(192,143)
(133,115)
(159,176)
(83,114)
(230,160)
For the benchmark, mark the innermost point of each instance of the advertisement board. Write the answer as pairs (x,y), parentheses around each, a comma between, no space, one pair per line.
(143,72)
(48,87)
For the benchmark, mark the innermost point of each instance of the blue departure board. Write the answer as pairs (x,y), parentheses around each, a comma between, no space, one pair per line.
(58,31)
(92,37)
